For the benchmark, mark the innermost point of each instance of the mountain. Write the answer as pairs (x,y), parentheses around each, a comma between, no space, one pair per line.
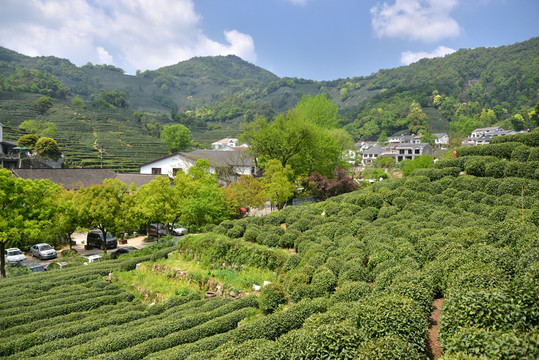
(120,116)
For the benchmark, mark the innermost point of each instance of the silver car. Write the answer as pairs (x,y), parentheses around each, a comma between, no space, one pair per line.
(14,256)
(43,251)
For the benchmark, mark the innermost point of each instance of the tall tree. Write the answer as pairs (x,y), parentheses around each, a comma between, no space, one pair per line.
(47,148)
(43,104)
(278,183)
(319,110)
(155,202)
(66,219)
(177,137)
(27,207)
(247,191)
(100,206)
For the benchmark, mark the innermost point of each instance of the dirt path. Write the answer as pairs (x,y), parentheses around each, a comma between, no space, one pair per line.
(434,350)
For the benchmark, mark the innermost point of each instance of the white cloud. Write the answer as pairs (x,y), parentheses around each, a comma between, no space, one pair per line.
(425,20)
(132,34)
(104,56)
(409,57)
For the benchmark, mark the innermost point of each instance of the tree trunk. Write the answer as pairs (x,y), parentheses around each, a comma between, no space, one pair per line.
(104,232)
(2,260)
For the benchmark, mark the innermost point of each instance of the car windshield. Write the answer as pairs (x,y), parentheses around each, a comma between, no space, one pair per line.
(109,236)
(14,252)
(45,247)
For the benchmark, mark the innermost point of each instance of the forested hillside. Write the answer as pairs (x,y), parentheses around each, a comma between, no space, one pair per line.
(98,107)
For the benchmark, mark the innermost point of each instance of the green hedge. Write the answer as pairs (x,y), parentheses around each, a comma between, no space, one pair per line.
(494,344)
(530,139)
(500,150)
(215,249)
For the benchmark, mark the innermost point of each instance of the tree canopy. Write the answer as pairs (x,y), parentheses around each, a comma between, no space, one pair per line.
(177,137)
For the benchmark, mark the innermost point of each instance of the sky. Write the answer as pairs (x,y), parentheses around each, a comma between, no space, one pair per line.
(310,39)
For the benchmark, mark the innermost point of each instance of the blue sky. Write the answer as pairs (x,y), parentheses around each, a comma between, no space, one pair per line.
(311,39)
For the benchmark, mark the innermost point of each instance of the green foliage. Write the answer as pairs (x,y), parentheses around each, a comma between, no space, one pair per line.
(350,291)
(520,153)
(420,162)
(177,137)
(47,148)
(388,347)
(43,104)
(39,127)
(107,100)
(393,315)
(501,151)
(271,297)
(28,140)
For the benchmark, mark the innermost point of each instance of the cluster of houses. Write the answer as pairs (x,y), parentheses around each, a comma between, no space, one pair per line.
(228,159)
(402,147)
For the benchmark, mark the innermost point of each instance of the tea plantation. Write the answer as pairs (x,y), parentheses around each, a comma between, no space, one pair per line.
(357,276)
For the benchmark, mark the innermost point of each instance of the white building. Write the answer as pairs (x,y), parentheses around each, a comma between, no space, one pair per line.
(227,165)
(225,143)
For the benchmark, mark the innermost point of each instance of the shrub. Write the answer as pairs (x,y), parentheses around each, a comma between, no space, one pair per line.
(350,291)
(297,286)
(494,344)
(534,154)
(475,168)
(393,315)
(323,282)
(501,151)
(390,347)
(520,153)
(235,232)
(251,234)
(521,169)
(271,297)
(530,139)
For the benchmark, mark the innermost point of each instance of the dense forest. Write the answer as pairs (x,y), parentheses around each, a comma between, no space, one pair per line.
(100,107)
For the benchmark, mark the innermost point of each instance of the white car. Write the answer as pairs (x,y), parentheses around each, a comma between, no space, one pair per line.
(43,251)
(14,256)
(178,230)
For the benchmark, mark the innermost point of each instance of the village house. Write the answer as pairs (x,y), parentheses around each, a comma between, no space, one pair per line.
(411,151)
(227,165)
(9,158)
(441,140)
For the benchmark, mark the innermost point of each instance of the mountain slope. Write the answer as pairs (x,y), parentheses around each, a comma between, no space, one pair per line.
(213,96)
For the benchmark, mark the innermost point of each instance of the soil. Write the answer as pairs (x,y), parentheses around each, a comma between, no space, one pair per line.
(434,349)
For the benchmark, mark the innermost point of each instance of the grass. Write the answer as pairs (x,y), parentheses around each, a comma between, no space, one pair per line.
(157,281)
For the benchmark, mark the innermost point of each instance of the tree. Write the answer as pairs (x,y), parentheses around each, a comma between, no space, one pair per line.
(78,102)
(100,206)
(201,199)
(155,202)
(39,127)
(278,183)
(319,110)
(43,104)
(324,188)
(417,119)
(384,162)
(47,148)
(26,207)
(66,219)
(247,191)
(28,140)
(294,141)
(177,137)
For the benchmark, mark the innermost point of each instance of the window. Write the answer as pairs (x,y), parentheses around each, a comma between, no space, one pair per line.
(156,171)
(175,171)
(417,151)
(252,170)
(409,151)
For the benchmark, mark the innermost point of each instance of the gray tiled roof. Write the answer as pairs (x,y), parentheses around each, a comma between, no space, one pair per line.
(73,178)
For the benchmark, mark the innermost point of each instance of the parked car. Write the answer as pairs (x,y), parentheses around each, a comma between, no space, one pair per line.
(122,250)
(157,230)
(43,251)
(178,230)
(14,256)
(95,239)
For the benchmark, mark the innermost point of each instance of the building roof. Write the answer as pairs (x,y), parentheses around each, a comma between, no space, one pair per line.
(221,158)
(489,128)
(374,150)
(216,158)
(419,145)
(225,141)
(73,178)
